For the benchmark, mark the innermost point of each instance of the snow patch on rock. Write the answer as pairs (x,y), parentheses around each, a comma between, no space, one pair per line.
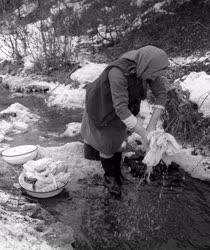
(66,97)
(72,129)
(88,73)
(16,119)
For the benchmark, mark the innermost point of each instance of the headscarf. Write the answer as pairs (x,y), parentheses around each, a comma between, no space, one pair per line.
(148,59)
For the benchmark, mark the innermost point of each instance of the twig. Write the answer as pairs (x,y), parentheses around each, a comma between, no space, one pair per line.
(208,94)
(199,23)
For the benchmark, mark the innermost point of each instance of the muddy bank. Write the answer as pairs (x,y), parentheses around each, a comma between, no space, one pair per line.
(171,212)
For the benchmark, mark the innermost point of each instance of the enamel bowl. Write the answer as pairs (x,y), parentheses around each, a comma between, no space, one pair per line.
(27,188)
(20,154)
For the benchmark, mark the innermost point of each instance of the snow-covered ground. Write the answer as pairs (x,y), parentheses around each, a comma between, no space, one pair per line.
(15,119)
(198,83)
(26,84)
(66,97)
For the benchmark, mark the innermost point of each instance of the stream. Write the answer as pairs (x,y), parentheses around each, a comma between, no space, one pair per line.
(170,213)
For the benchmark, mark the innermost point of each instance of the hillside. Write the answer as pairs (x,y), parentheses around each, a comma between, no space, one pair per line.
(46,35)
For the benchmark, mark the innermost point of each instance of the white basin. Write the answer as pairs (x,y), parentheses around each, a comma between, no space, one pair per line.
(20,154)
(25,186)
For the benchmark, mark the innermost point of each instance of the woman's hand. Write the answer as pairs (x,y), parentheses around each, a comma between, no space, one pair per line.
(139,129)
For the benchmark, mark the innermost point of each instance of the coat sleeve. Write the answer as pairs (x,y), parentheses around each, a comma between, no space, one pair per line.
(158,88)
(119,92)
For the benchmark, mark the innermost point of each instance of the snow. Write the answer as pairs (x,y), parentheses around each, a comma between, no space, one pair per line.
(18,230)
(65,4)
(195,165)
(88,73)
(72,129)
(158,6)
(5,50)
(22,84)
(4,197)
(181,61)
(66,97)
(18,120)
(28,62)
(20,235)
(23,114)
(26,9)
(198,83)
(73,154)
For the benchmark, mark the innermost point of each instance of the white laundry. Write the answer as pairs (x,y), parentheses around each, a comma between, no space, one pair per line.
(164,146)
(160,143)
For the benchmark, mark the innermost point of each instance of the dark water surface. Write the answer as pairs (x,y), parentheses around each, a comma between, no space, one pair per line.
(154,216)
(170,213)
(51,124)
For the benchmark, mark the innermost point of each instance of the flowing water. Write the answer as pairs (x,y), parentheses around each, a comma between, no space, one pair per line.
(172,212)
(51,124)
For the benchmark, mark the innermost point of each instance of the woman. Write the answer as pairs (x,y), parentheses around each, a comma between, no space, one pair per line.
(113,101)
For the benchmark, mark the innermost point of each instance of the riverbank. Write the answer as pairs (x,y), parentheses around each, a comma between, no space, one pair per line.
(84,215)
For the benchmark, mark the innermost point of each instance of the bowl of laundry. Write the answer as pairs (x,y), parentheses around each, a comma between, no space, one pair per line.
(44,178)
(19,154)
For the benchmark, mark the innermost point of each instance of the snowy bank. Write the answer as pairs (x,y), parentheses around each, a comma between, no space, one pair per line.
(198,84)
(66,97)
(197,166)
(88,73)
(15,119)
(27,84)
(182,61)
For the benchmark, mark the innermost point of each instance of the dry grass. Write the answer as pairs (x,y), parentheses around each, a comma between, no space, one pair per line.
(183,119)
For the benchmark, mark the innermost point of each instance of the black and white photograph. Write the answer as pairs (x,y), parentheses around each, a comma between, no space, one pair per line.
(104,124)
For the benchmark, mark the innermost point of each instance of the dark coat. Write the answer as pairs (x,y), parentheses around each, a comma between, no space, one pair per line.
(99,104)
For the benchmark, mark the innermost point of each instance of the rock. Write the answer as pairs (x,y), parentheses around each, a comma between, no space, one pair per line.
(72,129)
(7,115)
(37,88)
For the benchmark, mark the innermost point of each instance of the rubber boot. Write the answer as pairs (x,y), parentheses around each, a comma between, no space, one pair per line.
(91,153)
(110,176)
(117,162)
(119,176)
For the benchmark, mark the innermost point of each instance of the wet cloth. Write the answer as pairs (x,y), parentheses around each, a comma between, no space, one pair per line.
(160,143)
